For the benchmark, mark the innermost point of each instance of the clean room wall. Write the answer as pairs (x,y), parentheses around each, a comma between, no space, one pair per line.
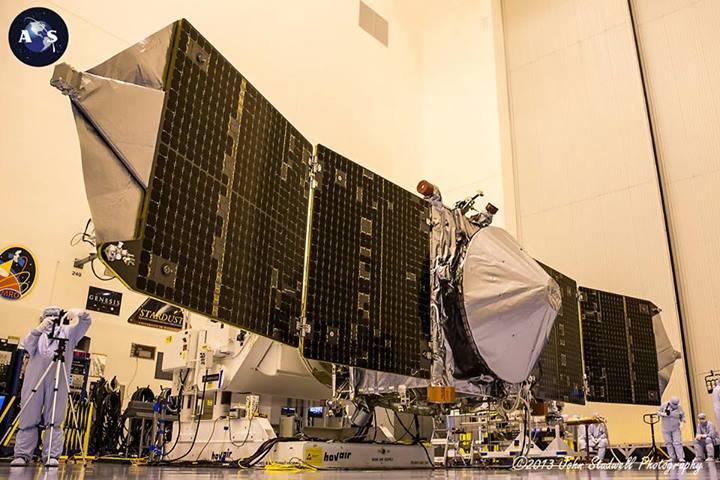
(335,82)
(680,46)
(586,188)
(460,141)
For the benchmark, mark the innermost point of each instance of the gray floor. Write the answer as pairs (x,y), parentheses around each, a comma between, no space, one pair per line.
(109,471)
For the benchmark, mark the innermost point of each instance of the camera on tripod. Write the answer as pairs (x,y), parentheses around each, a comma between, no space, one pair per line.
(61,343)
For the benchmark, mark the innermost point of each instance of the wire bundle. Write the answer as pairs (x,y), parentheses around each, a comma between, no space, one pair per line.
(262,451)
(197,427)
(133,440)
(106,429)
(86,237)
(294,466)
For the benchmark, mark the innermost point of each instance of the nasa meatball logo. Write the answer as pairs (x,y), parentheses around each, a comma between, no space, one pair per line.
(18,272)
(38,37)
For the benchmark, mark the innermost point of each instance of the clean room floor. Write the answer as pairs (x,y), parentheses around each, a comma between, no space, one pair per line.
(113,471)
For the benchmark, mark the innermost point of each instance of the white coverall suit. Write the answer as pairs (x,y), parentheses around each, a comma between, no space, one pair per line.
(716,403)
(41,351)
(598,439)
(671,418)
(705,440)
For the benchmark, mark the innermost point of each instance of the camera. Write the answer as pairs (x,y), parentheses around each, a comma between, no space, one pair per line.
(62,318)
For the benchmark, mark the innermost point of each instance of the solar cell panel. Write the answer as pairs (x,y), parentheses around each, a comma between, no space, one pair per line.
(368,299)
(619,348)
(559,371)
(223,227)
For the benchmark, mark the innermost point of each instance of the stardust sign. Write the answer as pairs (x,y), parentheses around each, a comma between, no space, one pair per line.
(156,314)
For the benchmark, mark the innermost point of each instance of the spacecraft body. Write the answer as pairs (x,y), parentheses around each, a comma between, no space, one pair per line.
(474,310)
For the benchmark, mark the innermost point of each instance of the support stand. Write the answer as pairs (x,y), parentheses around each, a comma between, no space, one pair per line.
(59,364)
(655,454)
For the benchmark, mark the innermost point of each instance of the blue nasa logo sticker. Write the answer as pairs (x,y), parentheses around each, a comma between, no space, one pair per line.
(38,37)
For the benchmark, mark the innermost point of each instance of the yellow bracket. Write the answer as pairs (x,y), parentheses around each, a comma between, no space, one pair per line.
(7,409)
(12,432)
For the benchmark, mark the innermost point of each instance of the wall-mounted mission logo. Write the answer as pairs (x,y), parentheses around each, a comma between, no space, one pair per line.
(38,37)
(18,272)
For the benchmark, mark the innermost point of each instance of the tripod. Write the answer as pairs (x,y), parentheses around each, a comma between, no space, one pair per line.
(655,453)
(59,363)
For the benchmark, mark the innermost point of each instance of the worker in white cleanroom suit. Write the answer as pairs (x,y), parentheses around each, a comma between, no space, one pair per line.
(716,403)
(671,419)
(597,432)
(41,350)
(705,439)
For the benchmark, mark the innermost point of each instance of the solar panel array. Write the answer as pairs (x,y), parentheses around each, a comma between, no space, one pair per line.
(619,348)
(223,230)
(559,371)
(368,301)
(643,353)
(223,226)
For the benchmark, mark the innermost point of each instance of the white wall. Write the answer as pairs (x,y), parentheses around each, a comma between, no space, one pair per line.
(460,139)
(680,43)
(586,188)
(335,82)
